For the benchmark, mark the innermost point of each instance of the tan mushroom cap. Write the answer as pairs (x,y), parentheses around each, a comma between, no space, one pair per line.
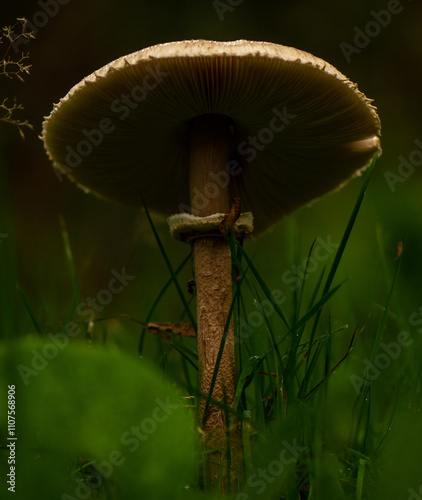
(300,127)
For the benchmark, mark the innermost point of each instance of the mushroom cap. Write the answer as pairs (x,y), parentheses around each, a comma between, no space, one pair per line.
(300,127)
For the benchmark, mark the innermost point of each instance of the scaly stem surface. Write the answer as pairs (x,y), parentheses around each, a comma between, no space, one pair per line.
(211,139)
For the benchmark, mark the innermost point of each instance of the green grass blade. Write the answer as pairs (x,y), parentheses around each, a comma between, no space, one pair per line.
(364,398)
(72,270)
(271,334)
(365,392)
(169,266)
(237,254)
(29,309)
(384,317)
(250,369)
(390,421)
(186,353)
(264,287)
(293,351)
(360,478)
(386,267)
(157,300)
(343,243)
(367,425)
(309,314)
(334,368)
(350,224)
(302,287)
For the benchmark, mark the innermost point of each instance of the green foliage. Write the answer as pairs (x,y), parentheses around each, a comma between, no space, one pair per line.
(79,405)
(316,422)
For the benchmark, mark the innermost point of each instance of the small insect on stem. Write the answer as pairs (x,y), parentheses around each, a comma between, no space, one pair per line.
(191,286)
(227,224)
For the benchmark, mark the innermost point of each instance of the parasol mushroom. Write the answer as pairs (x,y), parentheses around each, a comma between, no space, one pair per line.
(193,125)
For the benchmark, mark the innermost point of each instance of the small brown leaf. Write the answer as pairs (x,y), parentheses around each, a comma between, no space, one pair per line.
(182,329)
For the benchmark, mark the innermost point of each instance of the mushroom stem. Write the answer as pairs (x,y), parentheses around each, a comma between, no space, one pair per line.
(211,139)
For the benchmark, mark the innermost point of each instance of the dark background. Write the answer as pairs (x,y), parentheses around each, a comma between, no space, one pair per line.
(84,35)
